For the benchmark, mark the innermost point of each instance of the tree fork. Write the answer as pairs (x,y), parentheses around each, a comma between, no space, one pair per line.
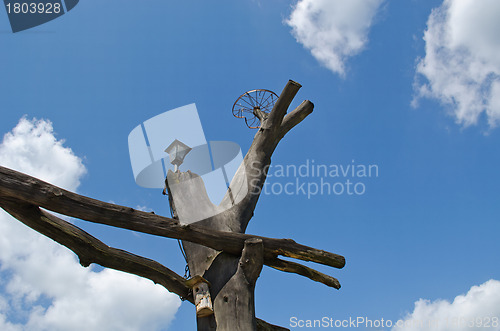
(216,246)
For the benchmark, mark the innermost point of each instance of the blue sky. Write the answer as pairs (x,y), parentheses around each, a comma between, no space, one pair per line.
(424,110)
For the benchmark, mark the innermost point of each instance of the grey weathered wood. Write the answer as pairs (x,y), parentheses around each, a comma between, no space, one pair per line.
(258,158)
(234,305)
(232,278)
(264,326)
(216,246)
(91,250)
(225,276)
(296,116)
(289,266)
(37,192)
(281,106)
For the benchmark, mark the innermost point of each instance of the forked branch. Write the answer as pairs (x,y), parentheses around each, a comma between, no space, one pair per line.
(23,196)
(295,117)
(275,118)
(258,157)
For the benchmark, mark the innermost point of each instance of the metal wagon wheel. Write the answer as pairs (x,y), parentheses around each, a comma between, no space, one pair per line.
(252,101)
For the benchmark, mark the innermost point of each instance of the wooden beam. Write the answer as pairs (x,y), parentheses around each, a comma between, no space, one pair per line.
(264,326)
(91,250)
(300,269)
(34,191)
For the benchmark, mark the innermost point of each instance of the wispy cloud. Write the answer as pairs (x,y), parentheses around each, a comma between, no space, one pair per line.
(461,66)
(333,30)
(31,147)
(478,308)
(42,285)
(143,208)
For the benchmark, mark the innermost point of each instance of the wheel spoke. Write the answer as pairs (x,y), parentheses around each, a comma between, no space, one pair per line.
(244,99)
(248,101)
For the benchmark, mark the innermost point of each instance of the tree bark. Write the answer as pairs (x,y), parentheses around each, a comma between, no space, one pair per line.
(232,290)
(91,250)
(216,246)
(232,278)
(23,187)
(234,304)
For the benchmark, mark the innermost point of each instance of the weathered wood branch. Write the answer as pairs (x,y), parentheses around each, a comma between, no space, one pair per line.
(258,158)
(91,250)
(276,115)
(216,246)
(252,259)
(190,201)
(296,116)
(262,116)
(300,269)
(237,293)
(34,191)
(264,326)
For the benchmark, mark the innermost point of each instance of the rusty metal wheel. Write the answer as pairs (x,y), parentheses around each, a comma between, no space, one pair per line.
(251,101)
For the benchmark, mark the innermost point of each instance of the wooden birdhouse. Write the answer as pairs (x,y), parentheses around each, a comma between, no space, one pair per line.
(201,294)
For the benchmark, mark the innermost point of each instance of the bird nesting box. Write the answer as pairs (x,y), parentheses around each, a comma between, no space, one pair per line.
(201,294)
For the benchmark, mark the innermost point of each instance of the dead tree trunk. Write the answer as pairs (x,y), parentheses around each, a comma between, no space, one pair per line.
(233,278)
(217,247)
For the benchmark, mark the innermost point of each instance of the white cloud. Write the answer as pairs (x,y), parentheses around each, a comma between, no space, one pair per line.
(143,208)
(461,67)
(7,326)
(32,148)
(333,30)
(42,285)
(480,305)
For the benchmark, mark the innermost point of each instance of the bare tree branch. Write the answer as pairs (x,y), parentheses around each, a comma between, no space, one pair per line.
(264,326)
(280,107)
(215,246)
(34,191)
(91,250)
(296,116)
(300,269)
(258,158)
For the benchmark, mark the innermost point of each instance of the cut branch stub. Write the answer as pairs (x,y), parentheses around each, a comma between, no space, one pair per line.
(281,106)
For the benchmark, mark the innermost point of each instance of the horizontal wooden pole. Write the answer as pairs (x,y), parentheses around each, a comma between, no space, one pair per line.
(37,192)
(288,266)
(91,250)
